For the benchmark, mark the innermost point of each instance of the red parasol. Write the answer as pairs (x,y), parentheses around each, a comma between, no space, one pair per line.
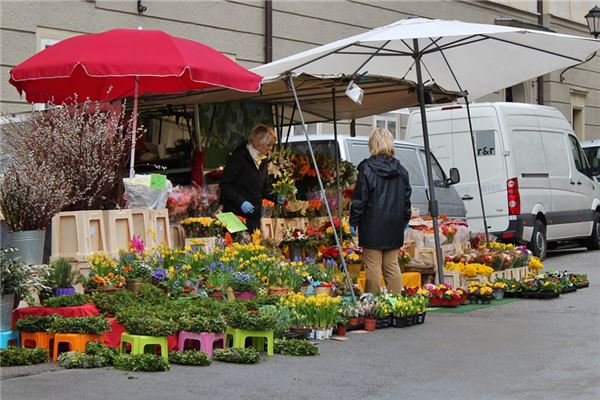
(123,63)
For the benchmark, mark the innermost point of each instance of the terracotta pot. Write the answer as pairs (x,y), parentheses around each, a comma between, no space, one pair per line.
(341,330)
(370,324)
(353,321)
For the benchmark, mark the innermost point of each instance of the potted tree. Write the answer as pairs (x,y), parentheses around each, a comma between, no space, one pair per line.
(62,277)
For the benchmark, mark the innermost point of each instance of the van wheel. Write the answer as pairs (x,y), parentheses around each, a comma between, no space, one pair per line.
(539,243)
(593,242)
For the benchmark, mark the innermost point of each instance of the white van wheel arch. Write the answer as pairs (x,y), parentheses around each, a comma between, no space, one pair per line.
(594,239)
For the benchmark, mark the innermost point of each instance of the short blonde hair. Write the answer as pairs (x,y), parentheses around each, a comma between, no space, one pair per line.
(381,142)
(262,135)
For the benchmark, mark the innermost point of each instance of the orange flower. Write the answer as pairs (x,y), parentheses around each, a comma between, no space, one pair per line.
(267,203)
(127,268)
(110,275)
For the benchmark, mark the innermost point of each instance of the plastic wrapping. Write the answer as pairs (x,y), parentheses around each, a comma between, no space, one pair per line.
(140,193)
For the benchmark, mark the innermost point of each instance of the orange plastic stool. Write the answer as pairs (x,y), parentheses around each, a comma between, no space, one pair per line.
(41,339)
(76,341)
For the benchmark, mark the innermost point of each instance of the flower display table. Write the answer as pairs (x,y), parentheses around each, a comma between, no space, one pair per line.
(239,336)
(76,341)
(37,339)
(206,339)
(139,342)
(86,310)
(113,338)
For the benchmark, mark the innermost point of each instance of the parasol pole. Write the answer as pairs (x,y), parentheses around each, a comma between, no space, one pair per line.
(323,196)
(134,129)
(433,205)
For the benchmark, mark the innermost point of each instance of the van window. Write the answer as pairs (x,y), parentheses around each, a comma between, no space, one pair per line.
(409,160)
(318,146)
(357,151)
(555,149)
(580,163)
(439,179)
(529,150)
(593,156)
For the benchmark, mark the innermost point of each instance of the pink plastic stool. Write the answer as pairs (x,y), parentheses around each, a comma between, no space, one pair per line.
(206,339)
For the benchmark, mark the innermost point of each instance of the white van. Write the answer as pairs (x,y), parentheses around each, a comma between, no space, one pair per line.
(536,182)
(591,148)
(412,157)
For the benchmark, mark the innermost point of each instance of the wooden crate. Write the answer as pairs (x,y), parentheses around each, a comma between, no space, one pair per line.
(142,225)
(452,278)
(159,219)
(177,236)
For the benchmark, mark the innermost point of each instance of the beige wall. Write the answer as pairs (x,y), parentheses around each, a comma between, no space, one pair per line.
(237,29)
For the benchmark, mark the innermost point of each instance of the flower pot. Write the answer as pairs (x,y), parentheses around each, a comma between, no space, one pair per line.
(296,252)
(216,295)
(6,309)
(29,245)
(352,321)
(321,334)
(361,320)
(370,324)
(400,322)
(329,332)
(499,294)
(341,330)
(134,284)
(278,291)
(421,318)
(310,252)
(107,289)
(245,295)
(64,291)
(311,334)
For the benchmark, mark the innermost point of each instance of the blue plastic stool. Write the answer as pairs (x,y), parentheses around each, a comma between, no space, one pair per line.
(9,336)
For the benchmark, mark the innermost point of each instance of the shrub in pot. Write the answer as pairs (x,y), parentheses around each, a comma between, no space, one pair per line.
(62,277)
(85,325)
(35,323)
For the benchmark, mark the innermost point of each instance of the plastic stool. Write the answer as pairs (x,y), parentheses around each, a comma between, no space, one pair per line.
(239,337)
(206,339)
(8,336)
(139,342)
(41,339)
(76,341)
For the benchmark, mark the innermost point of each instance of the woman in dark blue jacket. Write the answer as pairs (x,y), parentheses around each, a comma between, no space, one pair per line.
(380,209)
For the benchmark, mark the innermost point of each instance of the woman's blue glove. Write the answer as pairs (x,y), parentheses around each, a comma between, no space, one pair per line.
(281,199)
(353,230)
(406,226)
(247,208)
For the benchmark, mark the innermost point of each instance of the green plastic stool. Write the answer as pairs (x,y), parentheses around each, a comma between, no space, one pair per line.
(138,343)
(239,336)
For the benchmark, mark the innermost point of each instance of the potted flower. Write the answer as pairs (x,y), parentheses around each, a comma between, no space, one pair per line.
(105,274)
(295,239)
(499,288)
(369,311)
(244,285)
(486,294)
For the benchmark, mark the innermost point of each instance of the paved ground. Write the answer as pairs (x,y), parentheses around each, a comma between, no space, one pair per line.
(528,349)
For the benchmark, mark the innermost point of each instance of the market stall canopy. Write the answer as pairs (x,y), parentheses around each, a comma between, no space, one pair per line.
(481,58)
(380,95)
(105,66)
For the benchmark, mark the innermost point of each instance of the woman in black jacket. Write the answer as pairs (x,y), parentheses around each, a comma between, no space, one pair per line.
(380,209)
(245,180)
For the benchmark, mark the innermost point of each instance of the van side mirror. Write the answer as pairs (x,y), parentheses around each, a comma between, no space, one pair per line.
(454,177)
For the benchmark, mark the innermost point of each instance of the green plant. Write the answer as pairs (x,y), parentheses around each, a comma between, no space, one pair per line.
(71,300)
(151,294)
(189,357)
(17,277)
(201,323)
(78,359)
(141,362)
(35,324)
(111,304)
(90,325)
(238,356)
(295,347)
(150,326)
(101,350)
(14,356)
(251,320)
(61,274)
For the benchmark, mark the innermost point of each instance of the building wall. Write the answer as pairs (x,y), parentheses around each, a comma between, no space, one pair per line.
(237,29)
